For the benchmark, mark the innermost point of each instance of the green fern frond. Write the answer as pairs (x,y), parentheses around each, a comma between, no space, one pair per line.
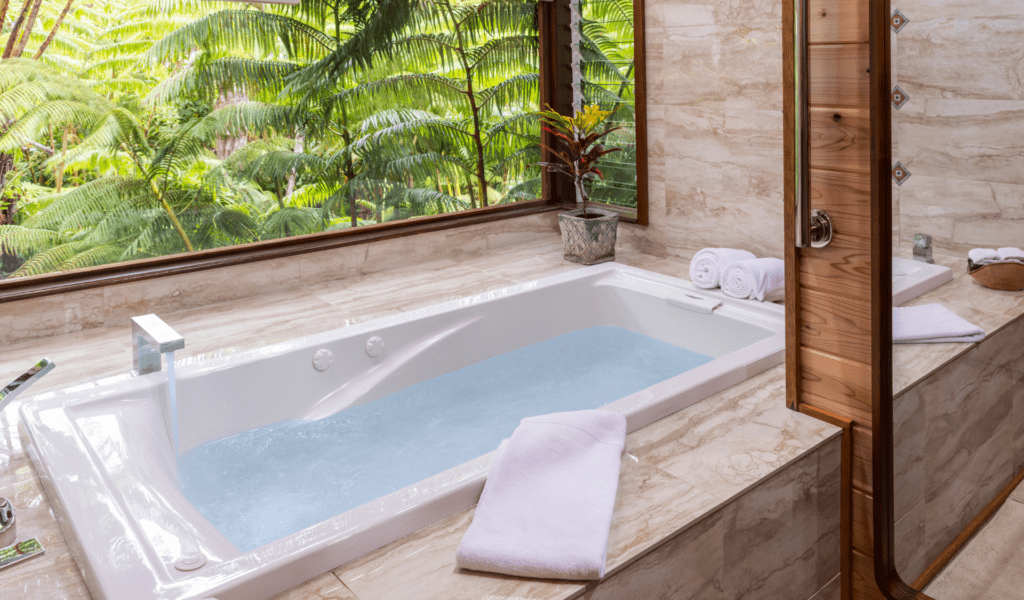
(26,241)
(245,31)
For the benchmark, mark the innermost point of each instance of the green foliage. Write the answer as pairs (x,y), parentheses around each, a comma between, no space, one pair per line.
(579,150)
(606,49)
(151,127)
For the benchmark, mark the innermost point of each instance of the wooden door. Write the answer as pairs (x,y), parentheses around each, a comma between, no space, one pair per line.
(839,297)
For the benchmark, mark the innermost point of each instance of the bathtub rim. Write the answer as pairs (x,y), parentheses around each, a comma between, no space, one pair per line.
(724,372)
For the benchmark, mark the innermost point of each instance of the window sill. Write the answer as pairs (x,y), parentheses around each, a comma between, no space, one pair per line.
(95,277)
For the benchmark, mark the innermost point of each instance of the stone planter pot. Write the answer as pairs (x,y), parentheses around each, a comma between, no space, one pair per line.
(589,241)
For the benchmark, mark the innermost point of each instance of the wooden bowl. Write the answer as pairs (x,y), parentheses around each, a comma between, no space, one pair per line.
(1008,277)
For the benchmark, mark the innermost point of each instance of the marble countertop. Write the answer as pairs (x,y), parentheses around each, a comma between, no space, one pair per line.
(673,472)
(987,308)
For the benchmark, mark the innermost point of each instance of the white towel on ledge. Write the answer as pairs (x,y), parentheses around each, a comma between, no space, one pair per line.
(708,265)
(1008,254)
(546,508)
(759,279)
(931,324)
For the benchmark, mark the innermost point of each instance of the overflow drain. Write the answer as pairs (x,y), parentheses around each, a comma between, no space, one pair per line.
(190,562)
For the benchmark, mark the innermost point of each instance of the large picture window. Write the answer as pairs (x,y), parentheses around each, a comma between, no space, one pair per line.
(136,129)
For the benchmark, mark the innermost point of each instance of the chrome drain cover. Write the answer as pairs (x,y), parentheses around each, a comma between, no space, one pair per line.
(190,562)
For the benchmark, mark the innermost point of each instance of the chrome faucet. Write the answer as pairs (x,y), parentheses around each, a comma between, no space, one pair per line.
(151,337)
(922,247)
(26,379)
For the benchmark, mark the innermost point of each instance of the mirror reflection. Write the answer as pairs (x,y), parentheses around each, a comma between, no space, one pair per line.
(958,362)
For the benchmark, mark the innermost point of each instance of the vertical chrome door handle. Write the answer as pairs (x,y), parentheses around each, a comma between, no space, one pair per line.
(814,228)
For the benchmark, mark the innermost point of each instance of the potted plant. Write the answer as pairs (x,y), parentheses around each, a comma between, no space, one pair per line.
(587,233)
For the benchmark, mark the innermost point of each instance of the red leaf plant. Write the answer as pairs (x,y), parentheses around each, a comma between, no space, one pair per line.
(579,136)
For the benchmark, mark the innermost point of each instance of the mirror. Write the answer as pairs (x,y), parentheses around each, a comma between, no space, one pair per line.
(958,408)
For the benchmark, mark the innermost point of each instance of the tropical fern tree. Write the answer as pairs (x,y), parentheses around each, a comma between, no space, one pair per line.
(294,62)
(606,48)
(463,100)
(172,196)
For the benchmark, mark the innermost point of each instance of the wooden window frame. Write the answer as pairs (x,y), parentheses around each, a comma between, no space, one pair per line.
(555,90)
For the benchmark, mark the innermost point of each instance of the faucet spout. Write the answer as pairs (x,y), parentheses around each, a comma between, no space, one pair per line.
(151,337)
(26,379)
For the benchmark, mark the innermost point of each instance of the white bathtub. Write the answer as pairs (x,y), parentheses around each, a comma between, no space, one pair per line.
(105,455)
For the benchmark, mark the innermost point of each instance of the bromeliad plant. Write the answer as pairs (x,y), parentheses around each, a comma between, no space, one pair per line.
(579,135)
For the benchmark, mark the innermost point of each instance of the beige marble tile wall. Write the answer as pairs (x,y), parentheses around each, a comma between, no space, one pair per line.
(959,440)
(961,134)
(115,305)
(714,96)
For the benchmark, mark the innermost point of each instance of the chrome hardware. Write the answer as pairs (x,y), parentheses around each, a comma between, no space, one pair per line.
(922,247)
(26,379)
(821,229)
(920,240)
(8,530)
(151,337)
(190,562)
(803,129)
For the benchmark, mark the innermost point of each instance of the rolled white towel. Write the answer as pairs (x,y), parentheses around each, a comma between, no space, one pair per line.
(1008,254)
(708,265)
(759,279)
(546,508)
(983,256)
(931,324)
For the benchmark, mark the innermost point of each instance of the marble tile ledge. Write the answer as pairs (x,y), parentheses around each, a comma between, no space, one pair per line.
(989,309)
(675,472)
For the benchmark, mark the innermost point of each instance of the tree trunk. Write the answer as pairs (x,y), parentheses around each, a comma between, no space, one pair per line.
(481,174)
(6,166)
(349,169)
(27,31)
(4,5)
(13,37)
(58,176)
(53,31)
(300,144)
(9,262)
(227,145)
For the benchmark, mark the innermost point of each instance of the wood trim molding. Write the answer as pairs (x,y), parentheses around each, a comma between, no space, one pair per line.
(846,495)
(883,517)
(640,107)
(791,255)
(164,266)
(965,536)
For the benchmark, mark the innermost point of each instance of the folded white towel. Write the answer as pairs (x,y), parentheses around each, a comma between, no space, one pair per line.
(983,256)
(546,508)
(708,265)
(1007,254)
(759,279)
(931,324)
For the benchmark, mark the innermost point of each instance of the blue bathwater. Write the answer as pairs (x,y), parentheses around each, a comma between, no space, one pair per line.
(264,484)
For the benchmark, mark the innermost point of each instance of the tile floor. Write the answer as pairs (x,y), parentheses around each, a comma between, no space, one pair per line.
(991,565)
